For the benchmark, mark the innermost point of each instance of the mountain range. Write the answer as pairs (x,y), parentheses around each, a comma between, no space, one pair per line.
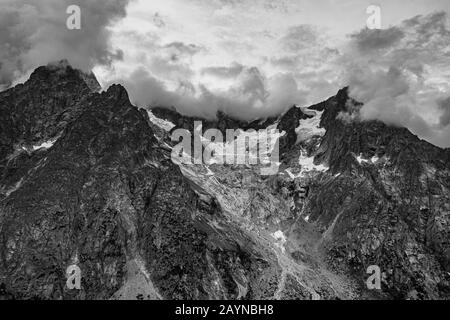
(87,179)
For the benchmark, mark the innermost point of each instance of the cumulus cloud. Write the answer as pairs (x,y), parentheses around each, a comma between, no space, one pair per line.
(396,73)
(34,33)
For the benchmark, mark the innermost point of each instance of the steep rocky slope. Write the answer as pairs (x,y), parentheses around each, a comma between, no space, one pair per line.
(387,203)
(372,194)
(84,181)
(87,179)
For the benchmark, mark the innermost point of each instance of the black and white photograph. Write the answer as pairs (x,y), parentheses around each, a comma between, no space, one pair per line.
(238,151)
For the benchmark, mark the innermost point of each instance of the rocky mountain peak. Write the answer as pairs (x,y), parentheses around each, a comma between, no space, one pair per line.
(118,92)
(63,72)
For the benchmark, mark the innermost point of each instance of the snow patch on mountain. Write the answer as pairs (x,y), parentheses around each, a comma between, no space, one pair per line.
(307,164)
(14,188)
(45,145)
(362,160)
(241,149)
(280,240)
(309,128)
(163,124)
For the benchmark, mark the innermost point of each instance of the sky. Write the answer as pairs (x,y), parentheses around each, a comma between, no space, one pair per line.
(249,58)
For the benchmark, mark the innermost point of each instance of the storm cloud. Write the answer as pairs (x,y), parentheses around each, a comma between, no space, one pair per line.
(34,33)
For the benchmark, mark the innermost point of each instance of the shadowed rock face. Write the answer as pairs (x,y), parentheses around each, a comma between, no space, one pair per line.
(84,181)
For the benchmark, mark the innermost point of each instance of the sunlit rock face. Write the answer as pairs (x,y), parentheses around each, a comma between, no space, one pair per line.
(87,179)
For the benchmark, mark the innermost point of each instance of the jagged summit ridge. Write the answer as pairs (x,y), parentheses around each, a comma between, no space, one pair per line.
(63,71)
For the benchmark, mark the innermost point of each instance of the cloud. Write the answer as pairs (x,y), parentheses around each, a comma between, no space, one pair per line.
(224,72)
(399,74)
(158,20)
(368,40)
(300,37)
(181,74)
(180,49)
(308,56)
(173,61)
(444,105)
(252,96)
(220,55)
(34,33)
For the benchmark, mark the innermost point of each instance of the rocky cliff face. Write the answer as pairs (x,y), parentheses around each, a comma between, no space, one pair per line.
(87,179)
(389,205)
